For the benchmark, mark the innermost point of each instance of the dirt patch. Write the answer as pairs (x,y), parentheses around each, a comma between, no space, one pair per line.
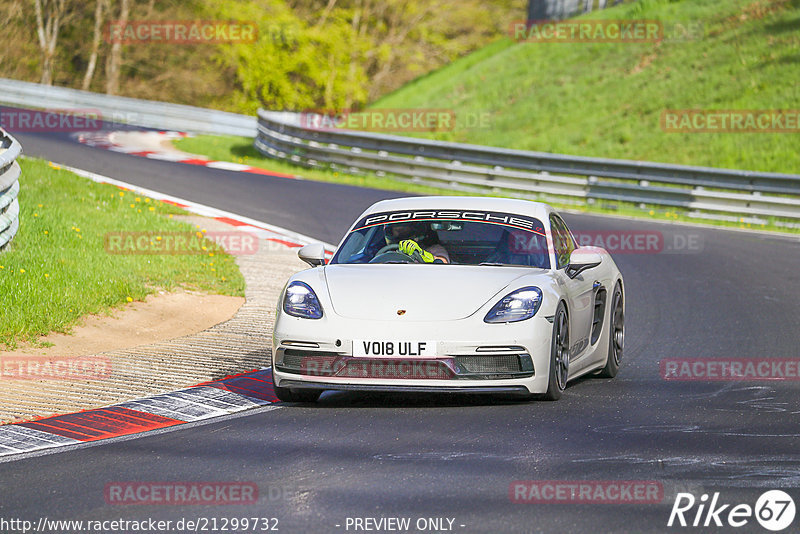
(160,317)
(646,60)
(170,341)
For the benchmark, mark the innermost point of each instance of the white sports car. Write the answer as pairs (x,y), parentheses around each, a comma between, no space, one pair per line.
(450,294)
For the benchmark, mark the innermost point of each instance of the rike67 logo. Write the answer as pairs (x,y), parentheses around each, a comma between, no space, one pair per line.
(774,510)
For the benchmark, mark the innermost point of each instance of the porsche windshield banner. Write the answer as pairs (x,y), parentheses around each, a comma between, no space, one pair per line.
(511,220)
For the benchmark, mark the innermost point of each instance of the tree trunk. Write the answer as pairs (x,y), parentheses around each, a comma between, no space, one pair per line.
(325,13)
(49,16)
(114,64)
(98,30)
(359,15)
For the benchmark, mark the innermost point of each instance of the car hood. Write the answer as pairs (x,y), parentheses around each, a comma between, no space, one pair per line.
(425,292)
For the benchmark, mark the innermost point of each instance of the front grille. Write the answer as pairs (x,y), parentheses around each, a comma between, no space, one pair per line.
(506,363)
(399,369)
(326,364)
(469,367)
(494,366)
(309,363)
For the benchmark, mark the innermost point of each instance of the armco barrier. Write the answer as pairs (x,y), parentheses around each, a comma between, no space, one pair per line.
(9,188)
(119,109)
(528,174)
(721,193)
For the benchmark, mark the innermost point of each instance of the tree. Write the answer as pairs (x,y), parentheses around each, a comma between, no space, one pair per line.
(50,15)
(101,6)
(114,63)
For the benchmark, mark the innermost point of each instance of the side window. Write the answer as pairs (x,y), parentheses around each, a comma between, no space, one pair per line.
(567,234)
(562,241)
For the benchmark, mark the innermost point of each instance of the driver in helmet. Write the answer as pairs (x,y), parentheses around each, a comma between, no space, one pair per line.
(418,240)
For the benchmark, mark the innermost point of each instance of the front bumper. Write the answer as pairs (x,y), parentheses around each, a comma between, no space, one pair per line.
(521,391)
(498,358)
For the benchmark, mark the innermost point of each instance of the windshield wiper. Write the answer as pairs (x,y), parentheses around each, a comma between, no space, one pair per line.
(490,264)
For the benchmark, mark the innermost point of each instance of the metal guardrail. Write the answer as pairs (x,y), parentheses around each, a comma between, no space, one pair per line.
(133,111)
(562,9)
(526,174)
(10,149)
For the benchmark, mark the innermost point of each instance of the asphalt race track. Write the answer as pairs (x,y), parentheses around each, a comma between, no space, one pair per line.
(415,456)
(321,210)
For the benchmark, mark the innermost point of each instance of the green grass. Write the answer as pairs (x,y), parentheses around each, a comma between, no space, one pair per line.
(57,270)
(606,100)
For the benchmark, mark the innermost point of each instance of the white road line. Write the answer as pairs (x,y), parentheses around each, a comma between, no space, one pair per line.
(199,209)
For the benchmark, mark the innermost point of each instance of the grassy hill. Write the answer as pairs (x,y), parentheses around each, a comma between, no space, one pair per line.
(601,99)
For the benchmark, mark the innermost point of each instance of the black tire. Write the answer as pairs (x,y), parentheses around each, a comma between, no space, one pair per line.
(616,335)
(297,395)
(559,355)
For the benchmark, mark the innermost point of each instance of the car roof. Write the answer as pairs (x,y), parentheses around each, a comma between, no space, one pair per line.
(528,208)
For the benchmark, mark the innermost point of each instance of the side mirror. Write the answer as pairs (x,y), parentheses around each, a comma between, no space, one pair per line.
(313,254)
(582,259)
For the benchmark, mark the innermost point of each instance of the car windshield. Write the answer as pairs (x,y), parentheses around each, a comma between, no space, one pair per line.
(452,236)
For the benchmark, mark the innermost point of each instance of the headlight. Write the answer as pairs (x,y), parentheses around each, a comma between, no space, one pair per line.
(517,306)
(301,301)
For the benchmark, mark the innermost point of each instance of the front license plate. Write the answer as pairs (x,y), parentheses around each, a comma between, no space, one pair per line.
(394,349)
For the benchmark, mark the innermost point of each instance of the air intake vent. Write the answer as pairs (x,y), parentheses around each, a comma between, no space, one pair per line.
(399,369)
(506,363)
(599,313)
(315,363)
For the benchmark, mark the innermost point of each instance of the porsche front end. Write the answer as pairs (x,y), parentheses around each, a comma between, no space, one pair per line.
(412,329)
